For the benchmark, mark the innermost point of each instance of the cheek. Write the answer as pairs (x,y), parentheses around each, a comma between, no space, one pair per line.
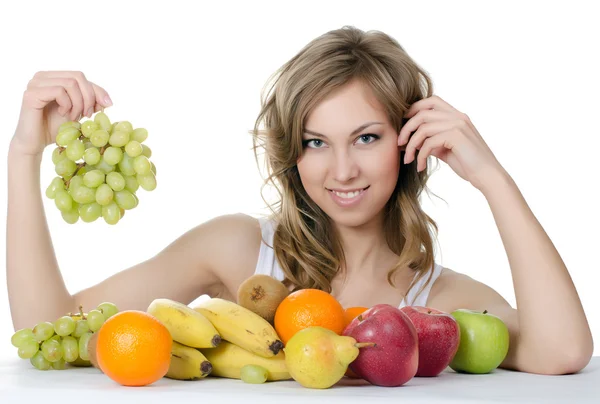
(309,170)
(387,164)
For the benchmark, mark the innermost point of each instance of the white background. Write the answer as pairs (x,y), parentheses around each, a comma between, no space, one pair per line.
(526,73)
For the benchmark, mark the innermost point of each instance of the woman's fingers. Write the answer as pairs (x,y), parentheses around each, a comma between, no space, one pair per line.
(39,97)
(86,96)
(71,87)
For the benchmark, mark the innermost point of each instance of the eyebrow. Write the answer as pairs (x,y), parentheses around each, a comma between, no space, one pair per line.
(354,132)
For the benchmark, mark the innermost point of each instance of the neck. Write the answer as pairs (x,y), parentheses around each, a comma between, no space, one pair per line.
(366,249)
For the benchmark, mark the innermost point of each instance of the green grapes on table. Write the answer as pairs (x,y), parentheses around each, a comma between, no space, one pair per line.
(55,345)
(253,374)
(100,165)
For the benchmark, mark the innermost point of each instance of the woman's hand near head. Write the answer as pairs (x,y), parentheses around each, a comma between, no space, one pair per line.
(52,98)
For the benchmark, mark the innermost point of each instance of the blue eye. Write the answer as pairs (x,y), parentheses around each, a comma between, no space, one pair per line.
(316,142)
(369,138)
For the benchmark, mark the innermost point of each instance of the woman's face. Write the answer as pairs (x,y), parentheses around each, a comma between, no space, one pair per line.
(350,162)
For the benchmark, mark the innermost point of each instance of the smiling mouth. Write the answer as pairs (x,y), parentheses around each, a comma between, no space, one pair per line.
(348,195)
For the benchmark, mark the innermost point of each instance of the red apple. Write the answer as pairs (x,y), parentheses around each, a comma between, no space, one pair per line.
(439,337)
(394,359)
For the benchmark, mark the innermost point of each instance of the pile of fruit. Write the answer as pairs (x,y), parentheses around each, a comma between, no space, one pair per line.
(269,334)
(100,166)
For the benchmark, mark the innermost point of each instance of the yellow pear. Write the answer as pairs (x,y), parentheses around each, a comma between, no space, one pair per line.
(318,358)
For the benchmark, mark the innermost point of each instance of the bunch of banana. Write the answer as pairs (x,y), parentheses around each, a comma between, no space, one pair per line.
(228,359)
(190,330)
(241,326)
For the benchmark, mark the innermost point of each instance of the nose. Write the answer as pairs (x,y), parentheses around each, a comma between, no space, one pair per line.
(344,167)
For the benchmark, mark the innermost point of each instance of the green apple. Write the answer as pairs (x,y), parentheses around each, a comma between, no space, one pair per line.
(483,343)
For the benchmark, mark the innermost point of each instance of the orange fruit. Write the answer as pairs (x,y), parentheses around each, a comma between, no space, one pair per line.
(308,308)
(352,312)
(134,348)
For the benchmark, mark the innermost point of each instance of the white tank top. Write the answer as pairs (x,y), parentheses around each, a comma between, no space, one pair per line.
(267,265)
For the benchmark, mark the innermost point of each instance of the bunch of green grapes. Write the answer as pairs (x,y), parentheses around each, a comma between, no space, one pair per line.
(100,166)
(65,341)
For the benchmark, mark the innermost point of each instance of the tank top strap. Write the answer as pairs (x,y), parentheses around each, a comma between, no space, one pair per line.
(418,297)
(267,262)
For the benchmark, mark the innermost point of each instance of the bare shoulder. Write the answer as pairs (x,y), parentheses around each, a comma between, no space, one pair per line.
(453,290)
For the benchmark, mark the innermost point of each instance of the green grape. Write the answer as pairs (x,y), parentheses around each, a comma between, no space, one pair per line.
(126,165)
(83,194)
(95,319)
(64,326)
(43,331)
(89,127)
(105,167)
(52,349)
(89,212)
(147,181)
(153,168)
(21,335)
(125,199)
(124,126)
(69,124)
(254,374)
(67,135)
(56,184)
(75,150)
(70,348)
(108,309)
(63,201)
(104,194)
(72,216)
(83,170)
(102,120)
(65,168)
(81,327)
(92,156)
(83,345)
(28,348)
(39,362)
(99,138)
(133,148)
(58,155)
(111,213)
(146,151)
(131,184)
(139,135)
(113,155)
(115,181)
(142,165)
(59,364)
(93,179)
(75,182)
(119,138)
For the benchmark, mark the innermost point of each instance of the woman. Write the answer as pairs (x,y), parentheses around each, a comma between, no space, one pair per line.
(348,127)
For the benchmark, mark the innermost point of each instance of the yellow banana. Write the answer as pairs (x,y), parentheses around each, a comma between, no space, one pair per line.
(228,359)
(187,363)
(185,325)
(241,326)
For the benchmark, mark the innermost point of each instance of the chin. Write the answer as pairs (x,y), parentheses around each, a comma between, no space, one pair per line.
(352,219)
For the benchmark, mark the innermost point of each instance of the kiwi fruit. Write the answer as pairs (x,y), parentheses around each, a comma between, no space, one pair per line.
(91,348)
(262,295)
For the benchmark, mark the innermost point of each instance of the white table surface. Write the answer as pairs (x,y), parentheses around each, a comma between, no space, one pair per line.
(21,383)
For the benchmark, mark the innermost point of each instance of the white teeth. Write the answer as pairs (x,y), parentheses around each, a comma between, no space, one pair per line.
(347,195)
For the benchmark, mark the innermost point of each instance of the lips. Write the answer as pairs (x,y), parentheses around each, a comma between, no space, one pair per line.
(347,198)
(348,194)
